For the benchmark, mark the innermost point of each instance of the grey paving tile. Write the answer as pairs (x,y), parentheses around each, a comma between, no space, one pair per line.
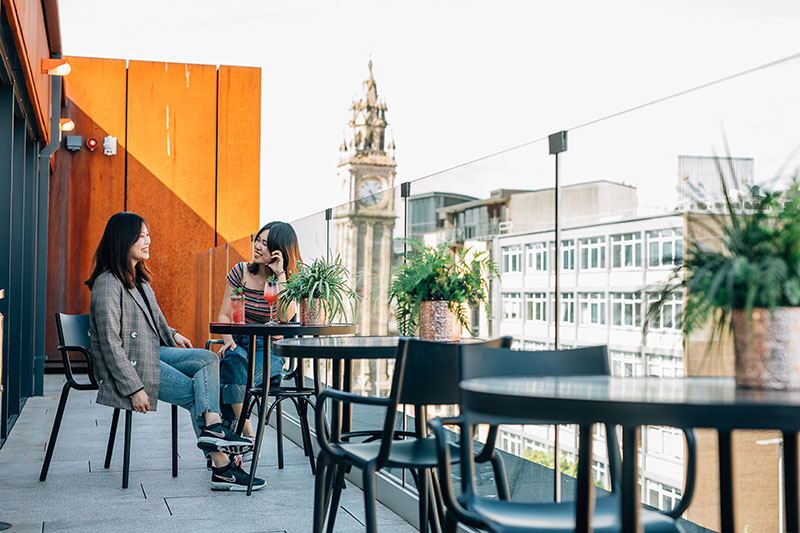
(79,490)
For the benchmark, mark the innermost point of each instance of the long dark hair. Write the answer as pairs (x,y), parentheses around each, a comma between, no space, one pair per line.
(114,251)
(281,237)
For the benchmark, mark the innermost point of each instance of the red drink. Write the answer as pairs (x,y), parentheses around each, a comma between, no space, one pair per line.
(237,310)
(270,295)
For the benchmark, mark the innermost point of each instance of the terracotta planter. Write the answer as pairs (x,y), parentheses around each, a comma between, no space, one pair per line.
(438,323)
(311,314)
(767,348)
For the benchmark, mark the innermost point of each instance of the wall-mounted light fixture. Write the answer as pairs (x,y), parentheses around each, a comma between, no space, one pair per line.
(66,124)
(55,67)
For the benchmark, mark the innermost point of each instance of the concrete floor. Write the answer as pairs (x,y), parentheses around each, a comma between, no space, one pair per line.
(80,495)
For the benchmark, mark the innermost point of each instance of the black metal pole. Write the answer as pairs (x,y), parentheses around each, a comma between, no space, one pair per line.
(558,144)
(328,216)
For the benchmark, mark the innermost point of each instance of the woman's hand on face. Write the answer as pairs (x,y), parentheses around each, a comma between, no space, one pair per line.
(181,341)
(229,345)
(277,262)
(140,401)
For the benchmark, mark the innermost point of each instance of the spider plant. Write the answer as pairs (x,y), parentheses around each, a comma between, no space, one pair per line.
(323,281)
(434,273)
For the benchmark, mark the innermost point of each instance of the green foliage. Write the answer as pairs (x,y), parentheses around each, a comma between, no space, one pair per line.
(327,281)
(757,264)
(548,459)
(237,291)
(433,273)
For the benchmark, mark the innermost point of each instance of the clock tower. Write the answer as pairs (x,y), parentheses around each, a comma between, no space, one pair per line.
(364,225)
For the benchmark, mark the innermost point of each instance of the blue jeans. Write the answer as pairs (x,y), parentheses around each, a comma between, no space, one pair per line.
(233,369)
(190,379)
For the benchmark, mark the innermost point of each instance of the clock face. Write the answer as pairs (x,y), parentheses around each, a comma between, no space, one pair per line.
(369,192)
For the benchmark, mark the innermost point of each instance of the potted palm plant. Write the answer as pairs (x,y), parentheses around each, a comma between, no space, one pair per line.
(321,291)
(749,284)
(431,287)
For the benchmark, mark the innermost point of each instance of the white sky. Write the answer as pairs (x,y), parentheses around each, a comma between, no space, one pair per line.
(463,79)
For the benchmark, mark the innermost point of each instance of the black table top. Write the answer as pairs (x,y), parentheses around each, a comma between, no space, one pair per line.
(689,402)
(280,329)
(338,347)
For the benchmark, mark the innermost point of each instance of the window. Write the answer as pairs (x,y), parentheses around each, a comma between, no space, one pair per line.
(626,364)
(593,253)
(568,254)
(664,366)
(593,308)
(662,496)
(536,345)
(537,257)
(665,247)
(626,250)
(511,305)
(512,259)
(670,316)
(568,307)
(536,305)
(626,308)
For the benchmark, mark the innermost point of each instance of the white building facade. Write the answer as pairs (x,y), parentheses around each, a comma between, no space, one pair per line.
(607,274)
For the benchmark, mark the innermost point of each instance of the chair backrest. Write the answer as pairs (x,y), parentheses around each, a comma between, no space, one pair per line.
(432,371)
(73,330)
(480,361)
(425,373)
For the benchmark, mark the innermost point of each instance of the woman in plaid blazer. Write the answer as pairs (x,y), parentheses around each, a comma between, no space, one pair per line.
(139,359)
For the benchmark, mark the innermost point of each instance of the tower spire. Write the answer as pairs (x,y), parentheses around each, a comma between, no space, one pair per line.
(368,121)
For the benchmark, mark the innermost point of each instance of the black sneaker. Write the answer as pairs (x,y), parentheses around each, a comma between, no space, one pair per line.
(218,438)
(235,459)
(232,477)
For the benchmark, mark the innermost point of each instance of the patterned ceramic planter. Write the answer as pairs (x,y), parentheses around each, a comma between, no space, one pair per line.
(767,348)
(438,323)
(311,314)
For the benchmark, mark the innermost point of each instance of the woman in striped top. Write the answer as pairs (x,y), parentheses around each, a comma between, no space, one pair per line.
(275,255)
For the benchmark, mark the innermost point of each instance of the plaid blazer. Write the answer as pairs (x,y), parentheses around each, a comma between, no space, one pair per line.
(125,341)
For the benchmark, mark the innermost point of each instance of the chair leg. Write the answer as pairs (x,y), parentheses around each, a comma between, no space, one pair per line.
(301,405)
(500,476)
(422,489)
(174,441)
(112,435)
(62,404)
(279,431)
(126,456)
(450,524)
(320,493)
(437,509)
(370,508)
(338,485)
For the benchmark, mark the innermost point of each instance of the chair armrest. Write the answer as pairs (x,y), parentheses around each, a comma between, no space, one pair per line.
(209,342)
(691,473)
(65,350)
(349,397)
(340,396)
(465,516)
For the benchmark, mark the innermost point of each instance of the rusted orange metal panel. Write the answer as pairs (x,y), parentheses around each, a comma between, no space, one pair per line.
(86,187)
(28,27)
(171,175)
(238,155)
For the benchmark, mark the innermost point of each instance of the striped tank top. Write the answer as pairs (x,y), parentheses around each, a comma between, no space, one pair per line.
(256,310)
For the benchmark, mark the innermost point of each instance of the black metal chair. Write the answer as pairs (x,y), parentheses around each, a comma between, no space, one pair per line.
(298,394)
(73,336)
(504,516)
(425,373)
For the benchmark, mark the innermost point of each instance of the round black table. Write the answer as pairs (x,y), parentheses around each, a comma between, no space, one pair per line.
(267,331)
(632,402)
(342,351)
